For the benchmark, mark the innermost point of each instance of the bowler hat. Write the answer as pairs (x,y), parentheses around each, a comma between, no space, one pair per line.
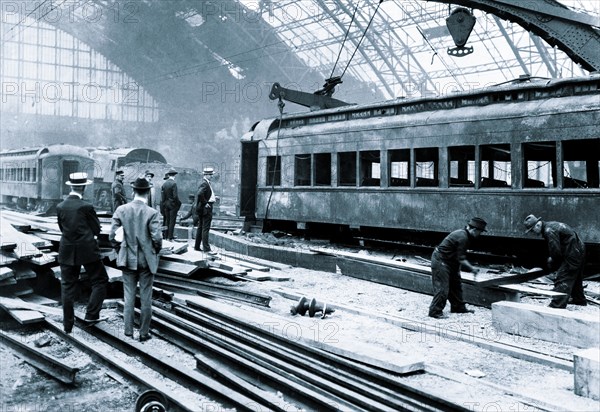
(208,170)
(141,184)
(530,222)
(78,179)
(120,172)
(172,172)
(148,172)
(478,223)
(166,176)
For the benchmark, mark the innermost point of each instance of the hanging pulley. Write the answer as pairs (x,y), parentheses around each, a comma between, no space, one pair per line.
(460,23)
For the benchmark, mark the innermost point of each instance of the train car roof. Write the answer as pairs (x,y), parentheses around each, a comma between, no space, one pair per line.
(45,151)
(494,99)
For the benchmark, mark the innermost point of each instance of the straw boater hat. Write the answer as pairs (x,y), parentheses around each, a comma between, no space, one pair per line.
(478,223)
(148,172)
(208,171)
(120,172)
(530,222)
(141,184)
(78,179)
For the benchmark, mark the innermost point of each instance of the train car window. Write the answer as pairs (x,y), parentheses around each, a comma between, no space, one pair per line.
(427,167)
(322,169)
(302,170)
(399,167)
(461,162)
(273,171)
(539,165)
(370,168)
(581,161)
(495,165)
(347,169)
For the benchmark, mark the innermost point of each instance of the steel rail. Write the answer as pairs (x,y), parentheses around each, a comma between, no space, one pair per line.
(310,368)
(385,387)
(46,363)
(224,348)
(119,365)
(206,288)
(178,373)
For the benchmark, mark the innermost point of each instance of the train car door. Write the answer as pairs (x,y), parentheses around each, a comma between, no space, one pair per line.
(248,179)
(68,167)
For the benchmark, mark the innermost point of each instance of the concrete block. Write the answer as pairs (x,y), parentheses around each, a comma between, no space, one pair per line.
(587,373)
(549,324)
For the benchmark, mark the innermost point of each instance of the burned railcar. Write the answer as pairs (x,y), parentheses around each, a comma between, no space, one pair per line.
(428,164)
(33,179)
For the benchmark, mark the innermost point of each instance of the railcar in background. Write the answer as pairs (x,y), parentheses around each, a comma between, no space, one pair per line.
(33,179)
(134,162)
(426,165)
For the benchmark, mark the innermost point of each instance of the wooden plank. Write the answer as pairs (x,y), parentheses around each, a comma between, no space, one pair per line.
(258,261)
(219,264)
(13,303)
(178,269)
(25,316)
(554,325)
(25,243)
(530,290)
(39,299)
(6,272)
(7,258)
(23,272)
(190,257)
(405,278)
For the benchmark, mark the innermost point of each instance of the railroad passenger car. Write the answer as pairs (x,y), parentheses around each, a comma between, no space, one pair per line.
(427,165)
(33,179)
(134,162)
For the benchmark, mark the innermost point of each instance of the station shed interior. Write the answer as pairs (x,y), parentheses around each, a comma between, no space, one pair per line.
(179,74)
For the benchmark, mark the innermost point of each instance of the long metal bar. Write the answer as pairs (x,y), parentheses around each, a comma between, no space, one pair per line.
(212,289)
(412,397)
(46,363)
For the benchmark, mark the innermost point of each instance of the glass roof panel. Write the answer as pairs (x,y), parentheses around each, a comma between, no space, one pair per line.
(400,46)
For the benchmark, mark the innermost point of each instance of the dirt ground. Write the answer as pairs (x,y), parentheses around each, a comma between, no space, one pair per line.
(479,373)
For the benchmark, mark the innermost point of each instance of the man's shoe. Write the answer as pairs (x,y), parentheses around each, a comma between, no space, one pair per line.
(462,310)
(129,335)
(438,316)
(579,303)
(145,338)
(91,322)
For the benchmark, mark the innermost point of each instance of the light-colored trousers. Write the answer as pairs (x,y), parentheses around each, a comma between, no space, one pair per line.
(131,278)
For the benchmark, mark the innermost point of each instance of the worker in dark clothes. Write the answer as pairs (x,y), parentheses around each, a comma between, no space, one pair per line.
(118,192)
(193,213)
(78,247)
(447,260)
(567,257)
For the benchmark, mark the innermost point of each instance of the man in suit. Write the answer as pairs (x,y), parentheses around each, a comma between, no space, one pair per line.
(148,175)
(204,208)
(170,203)
(138,248)
(79,225)
(118,192)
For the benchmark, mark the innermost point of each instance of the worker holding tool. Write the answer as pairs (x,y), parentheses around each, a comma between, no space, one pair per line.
(567,257)
(446,262)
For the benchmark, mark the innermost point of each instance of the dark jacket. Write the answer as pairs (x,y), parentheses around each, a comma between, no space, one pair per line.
(453,248)
(118,194)
(203,196)
(79,224)
(169,197)
(564,246)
